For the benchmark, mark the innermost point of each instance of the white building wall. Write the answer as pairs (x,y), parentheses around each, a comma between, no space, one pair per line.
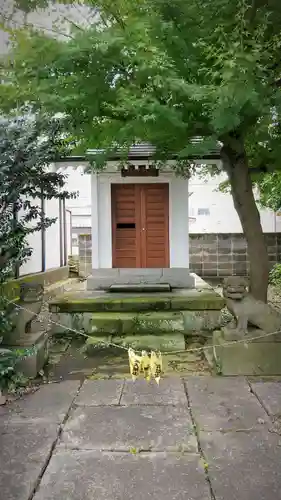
(52,241)
(179,233)
(52,235)
(34,263)
(211,211)
(68,221)
(34,240)
(80,183)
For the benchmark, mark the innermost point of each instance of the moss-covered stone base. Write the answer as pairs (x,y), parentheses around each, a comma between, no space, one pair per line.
(182,300)
(138,319)
(154,323)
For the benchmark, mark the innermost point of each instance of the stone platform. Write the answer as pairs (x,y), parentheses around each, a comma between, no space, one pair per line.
(152,320)
(177,277)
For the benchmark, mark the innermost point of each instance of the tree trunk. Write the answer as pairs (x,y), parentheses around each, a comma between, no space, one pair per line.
(236,165)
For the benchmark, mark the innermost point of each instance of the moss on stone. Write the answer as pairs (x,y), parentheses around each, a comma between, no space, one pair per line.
(105,323)
(68,303)
(143,323)
(159,322)
(109,304)
(128,322)
(146,304)
(39,278)
(198,321)
(206,300)
(11,290)
(94,343)
(167,342)
(177,301)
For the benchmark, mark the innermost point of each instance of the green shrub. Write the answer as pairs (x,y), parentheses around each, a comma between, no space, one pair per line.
(8,361)
(275,275)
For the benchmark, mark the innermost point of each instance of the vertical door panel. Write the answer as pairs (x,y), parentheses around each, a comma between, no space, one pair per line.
(155,213)
(124,226)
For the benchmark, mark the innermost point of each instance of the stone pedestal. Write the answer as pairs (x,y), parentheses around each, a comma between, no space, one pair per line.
(2,399)
(31,365)
(258,357)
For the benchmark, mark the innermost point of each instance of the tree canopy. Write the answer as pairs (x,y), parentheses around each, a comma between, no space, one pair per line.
(166,71)
(202,68)
(270,191)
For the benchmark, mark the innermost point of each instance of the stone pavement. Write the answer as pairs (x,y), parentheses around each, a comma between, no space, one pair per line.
(200,438)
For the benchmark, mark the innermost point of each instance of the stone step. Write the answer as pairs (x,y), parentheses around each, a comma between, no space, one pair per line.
(142,323)
(193,300)
(140,288)
(168,342)
(103,279)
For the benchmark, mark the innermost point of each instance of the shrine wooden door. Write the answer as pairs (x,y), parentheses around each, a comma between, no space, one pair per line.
(140,225)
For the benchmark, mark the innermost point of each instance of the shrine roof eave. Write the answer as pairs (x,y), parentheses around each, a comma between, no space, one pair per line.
(141,152)
(211,156)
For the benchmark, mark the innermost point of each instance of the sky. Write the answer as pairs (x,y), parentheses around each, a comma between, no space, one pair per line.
(54,20)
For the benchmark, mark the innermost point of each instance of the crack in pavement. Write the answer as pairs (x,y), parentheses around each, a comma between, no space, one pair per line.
(53,447)
(196,432)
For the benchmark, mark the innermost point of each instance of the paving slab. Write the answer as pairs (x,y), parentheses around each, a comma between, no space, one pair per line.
(87,475)
(224,404)
(100,392)
(269,393)
(125,428)
(50,403)
(243,466)
(25,449)
(169,392)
